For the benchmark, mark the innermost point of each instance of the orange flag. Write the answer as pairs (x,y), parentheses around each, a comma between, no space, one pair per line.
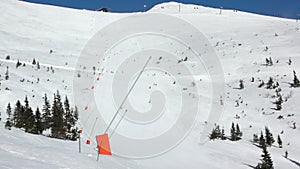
(103,144)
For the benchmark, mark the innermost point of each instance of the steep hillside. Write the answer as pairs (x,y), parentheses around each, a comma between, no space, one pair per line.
(55,37)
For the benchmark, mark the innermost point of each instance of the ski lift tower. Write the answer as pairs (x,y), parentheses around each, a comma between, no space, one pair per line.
(221,7)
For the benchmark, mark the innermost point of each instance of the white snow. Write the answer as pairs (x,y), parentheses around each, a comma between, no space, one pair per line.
(30,31)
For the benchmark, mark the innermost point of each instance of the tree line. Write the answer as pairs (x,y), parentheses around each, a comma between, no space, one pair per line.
(60,118)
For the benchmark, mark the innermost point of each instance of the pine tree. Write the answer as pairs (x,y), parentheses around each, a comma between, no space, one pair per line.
(261,84)
(33,62)
(242,84)
(255,138)
(296,82)
(38,65)
(46,116)
(269,137)
(279,141)
(18,64)
(266,161)
(8,123)
(6,74)
(38,126)
(215,134)
(278,102)
(267,61)
(68,117)
(223,137)
(28,117)
(74,132)
(57,128)
(238,134)
(262,140)
(18,117)
(271,61)
(270,83)
(233,135)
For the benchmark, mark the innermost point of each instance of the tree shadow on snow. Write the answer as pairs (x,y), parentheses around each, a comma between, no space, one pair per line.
(293,161)
(251,166)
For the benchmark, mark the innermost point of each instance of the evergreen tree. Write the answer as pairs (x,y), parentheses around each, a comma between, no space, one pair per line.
(68,115)
(28,118)
(279,141)
(233,135)
(17,115)
(8,123)
(261,84)
(216,133)
(18,64)
(74,134)
(262,141)
(69,121)
(76,114)
(6,74)
(296,82)
(238,134)
(242,84)
(269,137)
(223,137)
(267,61)
(38,126)
(279,102)
(270,83)
(266,161)
(33,62)
(74,131)
(46,116)
(255,138)
(271,61)
(38,65)
(57,128)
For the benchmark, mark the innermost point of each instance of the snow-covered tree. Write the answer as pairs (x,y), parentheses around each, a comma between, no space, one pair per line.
(216,133)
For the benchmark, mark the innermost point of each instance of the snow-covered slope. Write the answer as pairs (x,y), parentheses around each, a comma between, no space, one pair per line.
(30,31)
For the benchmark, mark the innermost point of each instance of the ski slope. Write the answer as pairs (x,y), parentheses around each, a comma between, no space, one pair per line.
(239,39)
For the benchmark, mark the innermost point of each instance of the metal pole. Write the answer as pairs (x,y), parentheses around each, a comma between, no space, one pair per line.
(79,142)
(127,95)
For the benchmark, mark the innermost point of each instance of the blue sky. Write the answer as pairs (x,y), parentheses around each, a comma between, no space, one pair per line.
(282,8)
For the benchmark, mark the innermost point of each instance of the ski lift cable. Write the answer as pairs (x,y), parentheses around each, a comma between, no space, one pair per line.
(93,127)
(117,112)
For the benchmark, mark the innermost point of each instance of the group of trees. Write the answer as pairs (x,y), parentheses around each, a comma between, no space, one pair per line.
(269,62)
(267,139)
(60,118)
(264,142)
(235,133)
